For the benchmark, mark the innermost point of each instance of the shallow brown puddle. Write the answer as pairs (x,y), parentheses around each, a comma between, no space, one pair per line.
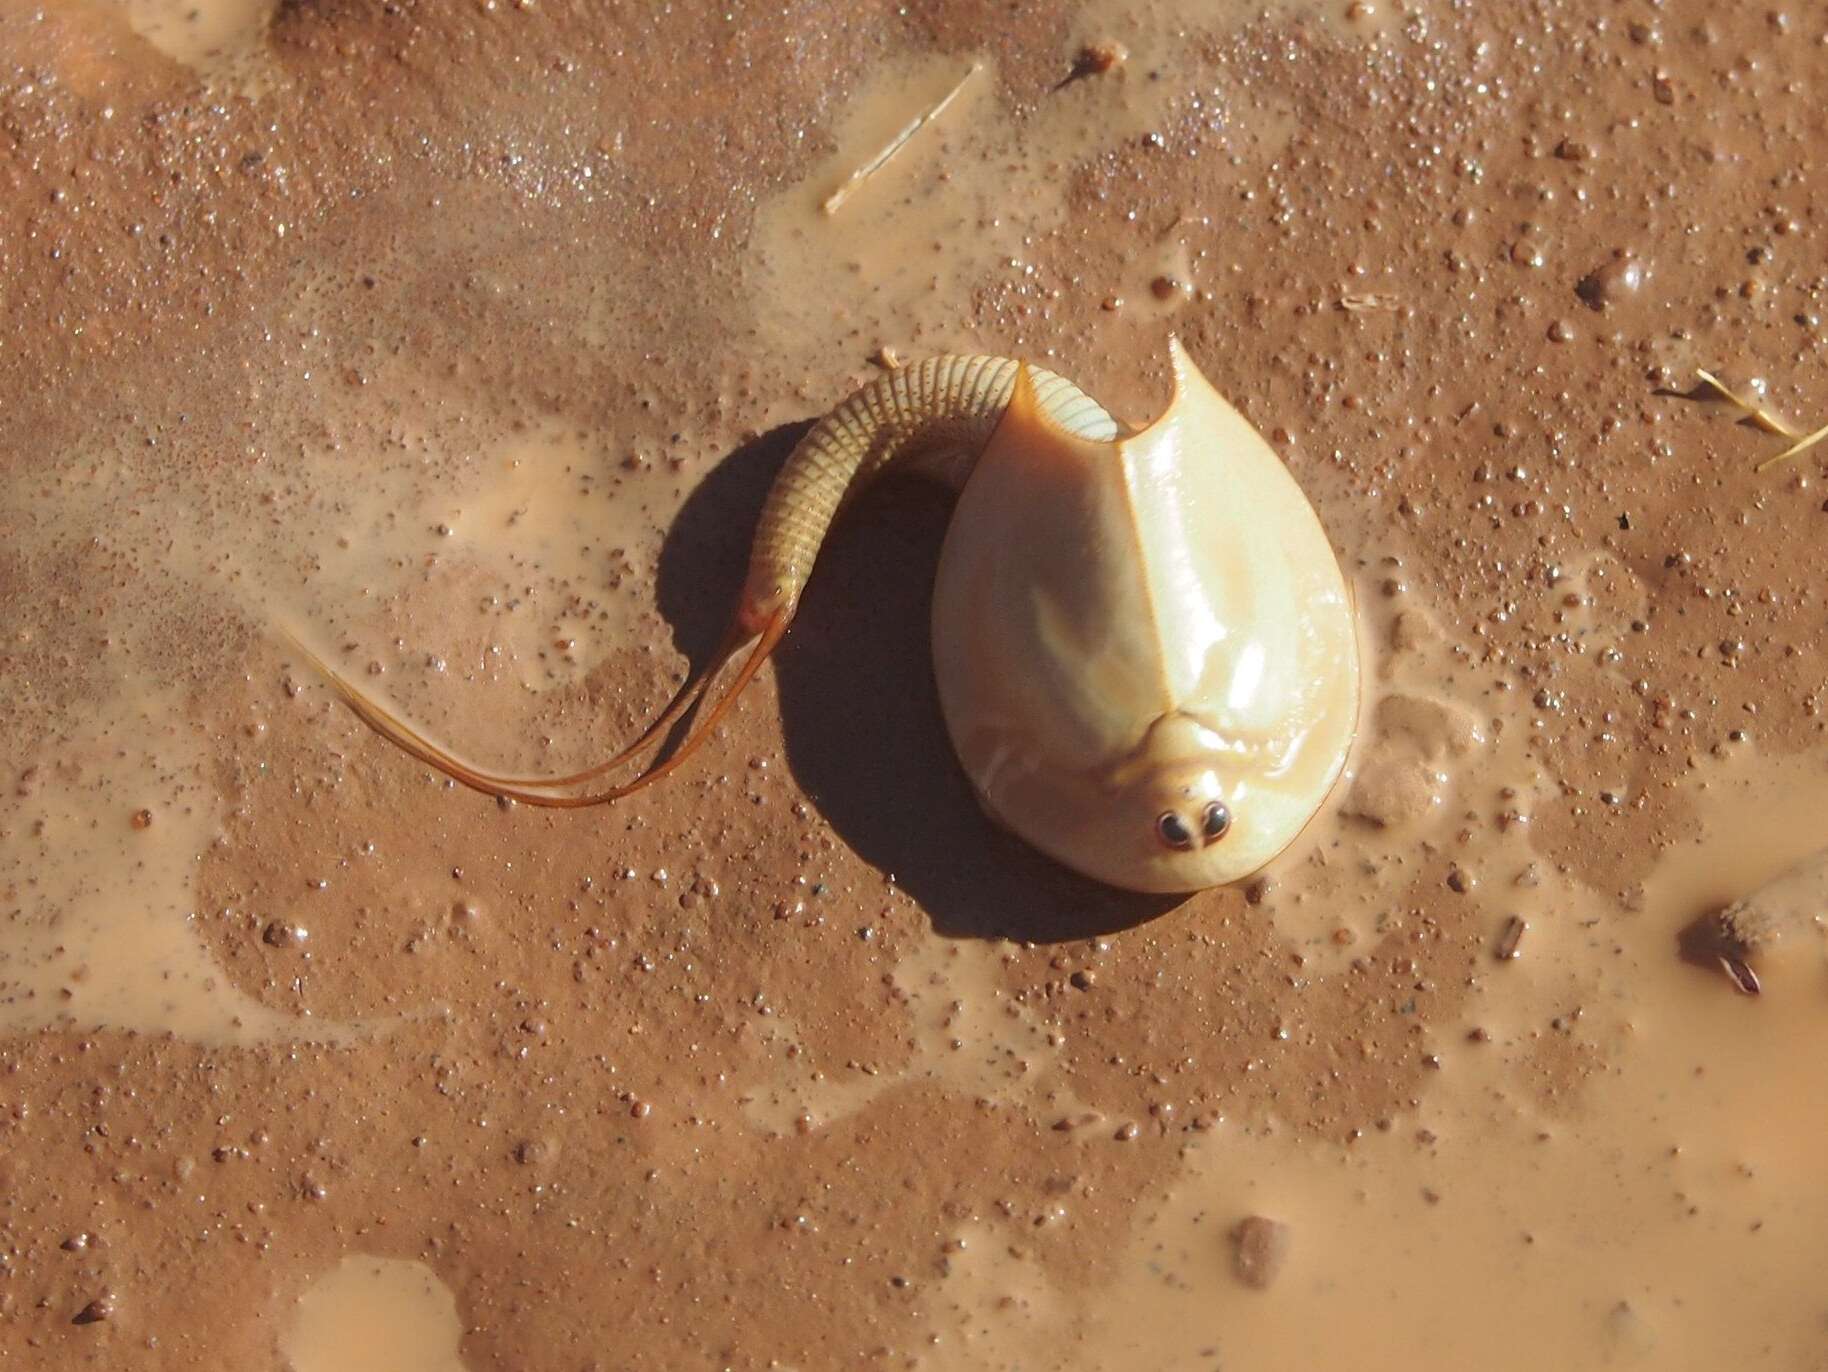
(460,341)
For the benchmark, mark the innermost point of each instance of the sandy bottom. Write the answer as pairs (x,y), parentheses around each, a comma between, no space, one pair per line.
(459,342)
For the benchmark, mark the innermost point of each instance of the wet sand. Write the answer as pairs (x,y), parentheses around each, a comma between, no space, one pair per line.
(461,341)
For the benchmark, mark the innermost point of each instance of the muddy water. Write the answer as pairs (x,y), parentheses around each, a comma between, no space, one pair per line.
(970,1039)
(374,1315)
(98,848)
(221,41)
(795,1061)
(885,251)
(1655,1219)
(114,806)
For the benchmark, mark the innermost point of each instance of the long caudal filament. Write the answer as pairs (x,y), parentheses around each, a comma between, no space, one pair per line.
(551,791)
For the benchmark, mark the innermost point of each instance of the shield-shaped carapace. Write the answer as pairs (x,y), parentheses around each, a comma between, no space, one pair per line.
(1145,650)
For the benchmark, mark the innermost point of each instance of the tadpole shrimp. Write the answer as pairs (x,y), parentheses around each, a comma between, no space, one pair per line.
(1143,643)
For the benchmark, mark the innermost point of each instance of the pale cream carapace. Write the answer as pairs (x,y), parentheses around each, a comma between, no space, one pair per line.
(1145,649)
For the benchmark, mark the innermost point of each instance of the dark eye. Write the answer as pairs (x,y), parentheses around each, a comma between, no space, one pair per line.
(1173,830)
(1216,821)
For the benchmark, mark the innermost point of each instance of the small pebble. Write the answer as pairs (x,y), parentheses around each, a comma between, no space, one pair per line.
(1610,284)
(1260,1249)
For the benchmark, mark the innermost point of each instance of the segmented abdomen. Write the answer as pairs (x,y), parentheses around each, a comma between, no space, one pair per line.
(934,416)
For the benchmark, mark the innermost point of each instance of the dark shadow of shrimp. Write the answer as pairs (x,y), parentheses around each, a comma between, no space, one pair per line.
(860,715)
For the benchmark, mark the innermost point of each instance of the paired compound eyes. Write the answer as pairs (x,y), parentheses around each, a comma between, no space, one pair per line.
(1173,830)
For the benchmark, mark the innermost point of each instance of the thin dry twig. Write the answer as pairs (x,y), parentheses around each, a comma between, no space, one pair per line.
(1796,449)
(835,201)
(1757,414)
(1759,417)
